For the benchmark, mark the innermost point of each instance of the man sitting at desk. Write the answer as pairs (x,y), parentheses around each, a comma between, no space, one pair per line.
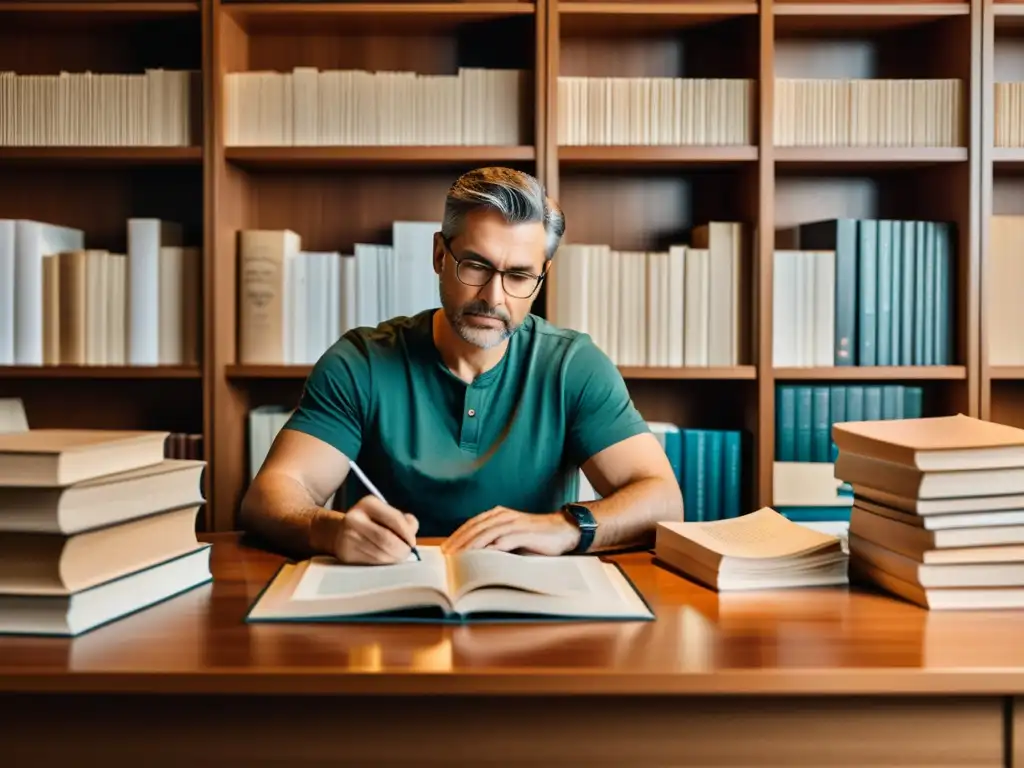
(472,421)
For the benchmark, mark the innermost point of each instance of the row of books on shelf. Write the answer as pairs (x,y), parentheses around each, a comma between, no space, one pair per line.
(157,107)
(806,413)
(294,304)
(673,307)
(865,292)
(481,106)
(308,106)
(96,525)
(655,111)
(868,112)
(64,303)
(1002,301)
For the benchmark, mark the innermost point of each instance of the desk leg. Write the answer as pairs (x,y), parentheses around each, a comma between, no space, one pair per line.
(180,730)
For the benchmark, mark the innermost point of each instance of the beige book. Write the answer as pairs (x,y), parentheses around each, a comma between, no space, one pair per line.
(51,309)
(936,598)
(930,507)
(264,310)
(759,550)
(60,457)
(476,584)
(925,545)
(908,481)
(981,519)
(103,501)
(73,614)
(49,564)
(976,574)
(73,294)
(934,443)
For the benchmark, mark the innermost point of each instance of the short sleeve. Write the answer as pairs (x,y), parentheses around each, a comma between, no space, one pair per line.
(601,411)
(335,398)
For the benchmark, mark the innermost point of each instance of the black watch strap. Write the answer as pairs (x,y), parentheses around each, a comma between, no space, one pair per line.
(583,519)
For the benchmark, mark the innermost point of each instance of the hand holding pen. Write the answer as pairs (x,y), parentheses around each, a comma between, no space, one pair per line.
(374,532)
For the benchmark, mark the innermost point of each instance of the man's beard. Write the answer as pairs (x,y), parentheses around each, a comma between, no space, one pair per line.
(479,336)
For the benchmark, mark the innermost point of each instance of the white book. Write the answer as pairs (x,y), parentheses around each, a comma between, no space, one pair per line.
(32,241)
(145,239)
(417,285)
(7,294)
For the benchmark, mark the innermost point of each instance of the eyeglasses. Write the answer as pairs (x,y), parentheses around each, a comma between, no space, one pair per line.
(516,283)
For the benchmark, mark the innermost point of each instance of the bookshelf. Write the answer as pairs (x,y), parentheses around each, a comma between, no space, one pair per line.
(1002,375)
(628,187)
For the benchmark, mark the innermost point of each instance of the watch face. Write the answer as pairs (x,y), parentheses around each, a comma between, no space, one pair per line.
(584,517)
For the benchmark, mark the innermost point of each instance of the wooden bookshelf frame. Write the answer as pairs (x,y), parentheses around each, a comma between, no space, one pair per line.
(228,389)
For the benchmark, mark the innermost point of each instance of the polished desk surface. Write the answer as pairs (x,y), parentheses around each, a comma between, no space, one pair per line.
(808,641)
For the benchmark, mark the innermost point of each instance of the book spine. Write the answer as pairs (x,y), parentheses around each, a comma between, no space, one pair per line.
(694,480)
(837,415)
(867,309)
(713,471)
(883,343)
(733,474)
(908,261)
(896,293)
(785,416)
(804,423)
(820,432)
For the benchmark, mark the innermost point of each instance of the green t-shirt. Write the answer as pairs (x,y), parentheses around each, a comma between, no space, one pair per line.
(446,450)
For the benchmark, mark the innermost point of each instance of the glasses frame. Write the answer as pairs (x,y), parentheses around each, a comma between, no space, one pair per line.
(494,271)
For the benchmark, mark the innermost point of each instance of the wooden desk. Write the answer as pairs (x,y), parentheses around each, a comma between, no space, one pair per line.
(814,678)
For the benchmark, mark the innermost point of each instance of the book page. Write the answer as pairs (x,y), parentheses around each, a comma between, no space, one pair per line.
(556,576)
(761,534)
(326,578)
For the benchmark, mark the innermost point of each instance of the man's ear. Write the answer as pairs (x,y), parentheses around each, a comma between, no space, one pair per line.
(438,253)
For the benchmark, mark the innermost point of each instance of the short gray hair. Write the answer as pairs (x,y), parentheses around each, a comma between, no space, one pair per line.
(517,196)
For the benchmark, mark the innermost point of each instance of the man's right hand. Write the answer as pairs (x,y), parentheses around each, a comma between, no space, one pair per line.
(375,533)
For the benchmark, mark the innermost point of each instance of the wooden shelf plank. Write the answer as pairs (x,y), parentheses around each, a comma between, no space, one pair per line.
(1008,158)
(375,156)
(742,372)
(872,372)
(43,15)
(632,18)
(99,372)
(739,372)
(100,156)
(114,9)
(267,371)
(1006,372)
(844,18)
(370,18)
(646,156)
(856,158)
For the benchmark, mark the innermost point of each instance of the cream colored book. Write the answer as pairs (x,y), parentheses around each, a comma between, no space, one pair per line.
(941,443)
(759,550)
(476,585)
(60,457)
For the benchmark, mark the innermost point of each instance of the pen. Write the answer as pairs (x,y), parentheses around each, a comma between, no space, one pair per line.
(373,489)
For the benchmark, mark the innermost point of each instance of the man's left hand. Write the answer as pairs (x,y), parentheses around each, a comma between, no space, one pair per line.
(509,530)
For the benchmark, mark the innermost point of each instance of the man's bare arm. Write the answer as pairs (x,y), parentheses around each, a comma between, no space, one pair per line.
(638,489)
(284,503)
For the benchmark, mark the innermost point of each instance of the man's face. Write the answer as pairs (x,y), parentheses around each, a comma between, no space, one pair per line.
(486,315)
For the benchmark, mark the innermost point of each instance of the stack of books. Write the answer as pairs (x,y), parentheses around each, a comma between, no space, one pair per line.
(756,551)
(94,525)
(938,510)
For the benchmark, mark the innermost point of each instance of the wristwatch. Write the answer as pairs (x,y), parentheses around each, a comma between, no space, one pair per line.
(583,519)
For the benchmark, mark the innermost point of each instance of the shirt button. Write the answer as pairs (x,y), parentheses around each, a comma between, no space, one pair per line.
(471,412)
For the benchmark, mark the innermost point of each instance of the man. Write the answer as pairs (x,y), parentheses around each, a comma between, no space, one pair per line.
(473,420)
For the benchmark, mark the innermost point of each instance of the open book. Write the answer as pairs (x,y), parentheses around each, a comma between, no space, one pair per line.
(476,584)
